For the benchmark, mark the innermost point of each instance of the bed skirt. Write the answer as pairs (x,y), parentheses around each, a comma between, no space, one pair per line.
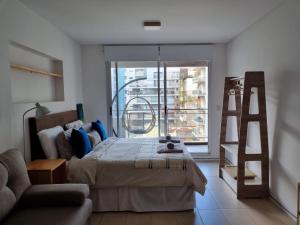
(143,199)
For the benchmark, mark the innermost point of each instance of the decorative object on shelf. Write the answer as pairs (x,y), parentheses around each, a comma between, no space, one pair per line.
(40,111)
(241,179)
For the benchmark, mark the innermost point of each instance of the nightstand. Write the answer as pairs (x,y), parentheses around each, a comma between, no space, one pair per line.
(47,171)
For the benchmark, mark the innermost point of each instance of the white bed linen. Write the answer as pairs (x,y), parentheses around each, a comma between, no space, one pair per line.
(113,163)
(143,199)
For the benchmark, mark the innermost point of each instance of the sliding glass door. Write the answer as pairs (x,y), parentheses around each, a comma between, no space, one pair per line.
(151,99)
(135,99)
(186,100)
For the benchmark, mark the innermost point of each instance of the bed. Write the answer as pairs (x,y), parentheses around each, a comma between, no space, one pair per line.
(128,174)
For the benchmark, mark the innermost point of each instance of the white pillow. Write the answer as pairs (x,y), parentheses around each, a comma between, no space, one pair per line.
(48,141)
(74,125)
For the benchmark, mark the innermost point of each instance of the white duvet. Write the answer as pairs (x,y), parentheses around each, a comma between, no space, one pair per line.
(118,162)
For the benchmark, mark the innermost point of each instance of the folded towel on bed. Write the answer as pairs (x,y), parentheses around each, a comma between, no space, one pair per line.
(151,158)
(166,150)
(174,140)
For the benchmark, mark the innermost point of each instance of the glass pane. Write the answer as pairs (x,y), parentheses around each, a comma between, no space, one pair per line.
(189,125)
(187,101)
(138,99)
(143,95)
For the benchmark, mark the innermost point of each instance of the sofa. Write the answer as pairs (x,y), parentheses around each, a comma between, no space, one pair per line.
(26,204)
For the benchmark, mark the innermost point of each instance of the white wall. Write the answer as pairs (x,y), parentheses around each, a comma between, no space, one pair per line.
(94,84)
(216,88)
(20,24)
(5,99)
(273,45)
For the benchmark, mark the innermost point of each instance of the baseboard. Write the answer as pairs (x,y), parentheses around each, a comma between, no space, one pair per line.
(283,208)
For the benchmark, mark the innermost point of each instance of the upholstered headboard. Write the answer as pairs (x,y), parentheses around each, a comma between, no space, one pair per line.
(44,122)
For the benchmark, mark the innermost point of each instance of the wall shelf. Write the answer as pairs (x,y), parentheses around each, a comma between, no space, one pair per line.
(34,70)
(232,181)
(35,76)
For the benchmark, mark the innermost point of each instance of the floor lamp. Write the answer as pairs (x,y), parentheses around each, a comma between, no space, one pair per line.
(39,111)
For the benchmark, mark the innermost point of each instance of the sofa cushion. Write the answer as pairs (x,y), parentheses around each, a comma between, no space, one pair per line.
(55,195)
(8,199)
(51,215)
(18,180)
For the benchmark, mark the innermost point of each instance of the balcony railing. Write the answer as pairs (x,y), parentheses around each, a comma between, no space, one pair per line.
(191,125)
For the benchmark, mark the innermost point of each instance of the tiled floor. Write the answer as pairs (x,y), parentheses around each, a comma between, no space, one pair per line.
(219,206)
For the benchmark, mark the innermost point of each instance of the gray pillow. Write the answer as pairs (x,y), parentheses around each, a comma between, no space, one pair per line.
(63,145)
(94,138)
(74,125)
(87,127)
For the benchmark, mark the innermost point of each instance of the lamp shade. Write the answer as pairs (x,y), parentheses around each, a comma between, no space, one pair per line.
(41,110)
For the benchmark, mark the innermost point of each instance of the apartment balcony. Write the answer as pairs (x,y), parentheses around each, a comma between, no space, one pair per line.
(198,93)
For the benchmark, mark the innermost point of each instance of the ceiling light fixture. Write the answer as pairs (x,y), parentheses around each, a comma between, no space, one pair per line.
(152,25)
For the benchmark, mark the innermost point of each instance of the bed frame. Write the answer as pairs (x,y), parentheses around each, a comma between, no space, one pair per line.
(44,122)
(116,198)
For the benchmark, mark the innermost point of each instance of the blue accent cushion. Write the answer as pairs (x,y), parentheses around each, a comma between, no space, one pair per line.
(99,127)
(80,142)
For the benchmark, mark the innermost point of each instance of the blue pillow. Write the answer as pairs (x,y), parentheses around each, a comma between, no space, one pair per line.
(80,142)
(99,127)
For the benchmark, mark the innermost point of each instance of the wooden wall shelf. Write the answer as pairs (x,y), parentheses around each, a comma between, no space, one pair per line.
(34,70)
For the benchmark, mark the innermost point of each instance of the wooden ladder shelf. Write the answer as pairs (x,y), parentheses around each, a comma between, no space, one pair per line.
(241,180)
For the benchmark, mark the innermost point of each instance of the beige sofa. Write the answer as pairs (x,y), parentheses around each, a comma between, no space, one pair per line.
(26,204)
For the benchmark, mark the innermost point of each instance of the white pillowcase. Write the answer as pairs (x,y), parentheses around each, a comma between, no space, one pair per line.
(74,125)
(48,141)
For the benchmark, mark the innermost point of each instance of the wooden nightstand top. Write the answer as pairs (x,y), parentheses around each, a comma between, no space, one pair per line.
(45,164)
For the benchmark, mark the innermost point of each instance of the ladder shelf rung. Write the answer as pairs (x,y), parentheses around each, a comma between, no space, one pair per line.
(253,157)
(254,117)
(233,148)
(232,113)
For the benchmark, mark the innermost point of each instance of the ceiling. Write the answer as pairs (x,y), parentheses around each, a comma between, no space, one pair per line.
(120,21)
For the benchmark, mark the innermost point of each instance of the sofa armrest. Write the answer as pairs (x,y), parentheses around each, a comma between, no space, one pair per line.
(55,195)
